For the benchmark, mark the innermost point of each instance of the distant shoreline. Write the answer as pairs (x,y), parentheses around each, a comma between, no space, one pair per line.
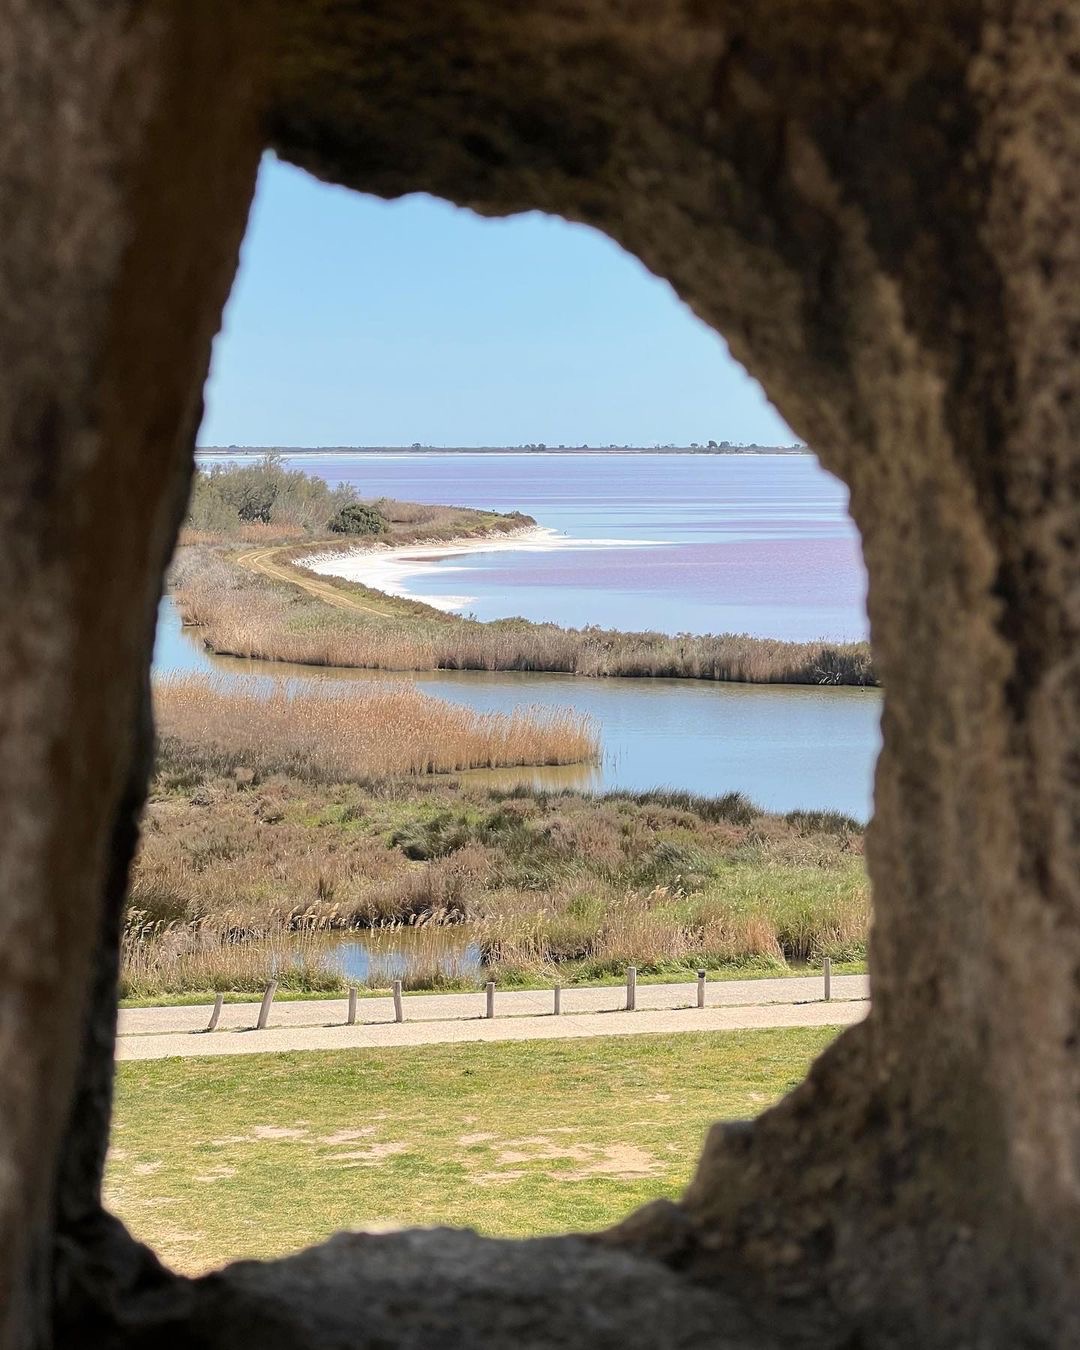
(388,567)
(385,567)
(500,450)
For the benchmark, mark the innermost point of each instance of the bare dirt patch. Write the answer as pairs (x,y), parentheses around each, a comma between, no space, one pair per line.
(498,1178)
(624,1162)
(347,1136)
(219,1173)
(262,1134)
(368,1157)
(621,1161)
(540,1148)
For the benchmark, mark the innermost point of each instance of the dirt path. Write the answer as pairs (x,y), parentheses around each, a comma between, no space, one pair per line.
(159,1033)
(263,562)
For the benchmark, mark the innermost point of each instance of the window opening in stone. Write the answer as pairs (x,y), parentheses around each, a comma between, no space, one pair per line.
(397,744)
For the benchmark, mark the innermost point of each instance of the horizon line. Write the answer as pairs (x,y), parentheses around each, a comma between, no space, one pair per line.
(540,448)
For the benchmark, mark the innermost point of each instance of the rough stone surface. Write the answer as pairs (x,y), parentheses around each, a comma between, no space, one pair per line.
(427,1290)
(876,204)
(126,164)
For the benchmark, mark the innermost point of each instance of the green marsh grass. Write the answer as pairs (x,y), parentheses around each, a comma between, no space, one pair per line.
(238,867)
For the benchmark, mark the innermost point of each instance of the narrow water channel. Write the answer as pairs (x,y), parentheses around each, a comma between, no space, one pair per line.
(786,747)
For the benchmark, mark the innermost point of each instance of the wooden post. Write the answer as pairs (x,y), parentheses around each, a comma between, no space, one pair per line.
(399,1015)
(631,988)
(490,998)
(352,1005)
(558,999)
(827,971)
(264,1011)
(218,1001)
(701,989)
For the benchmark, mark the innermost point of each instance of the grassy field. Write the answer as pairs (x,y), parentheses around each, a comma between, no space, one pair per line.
(245,872)
(221,1158)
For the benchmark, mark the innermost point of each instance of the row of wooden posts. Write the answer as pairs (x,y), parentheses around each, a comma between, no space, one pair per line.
(399,1011)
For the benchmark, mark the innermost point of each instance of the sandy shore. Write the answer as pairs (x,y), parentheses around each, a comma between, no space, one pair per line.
(390,568)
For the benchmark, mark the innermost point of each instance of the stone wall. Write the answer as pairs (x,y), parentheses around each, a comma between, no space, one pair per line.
(875,203)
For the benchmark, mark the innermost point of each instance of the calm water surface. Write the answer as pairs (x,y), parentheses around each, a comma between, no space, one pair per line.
(380,957)
(786,747)
(676,543)
(758,544)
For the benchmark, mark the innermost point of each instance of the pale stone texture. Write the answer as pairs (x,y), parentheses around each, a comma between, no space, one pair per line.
(876,203)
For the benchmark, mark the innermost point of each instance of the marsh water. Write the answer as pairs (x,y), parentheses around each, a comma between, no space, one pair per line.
(786,747)
(677,543)
(742,543)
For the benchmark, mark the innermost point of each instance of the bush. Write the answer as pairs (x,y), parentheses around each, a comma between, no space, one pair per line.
(229,497)
(823,822)
(733,807)
(359,518)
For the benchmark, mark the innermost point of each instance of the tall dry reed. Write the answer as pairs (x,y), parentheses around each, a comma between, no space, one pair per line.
(240,616)
(349,734)
(170,958)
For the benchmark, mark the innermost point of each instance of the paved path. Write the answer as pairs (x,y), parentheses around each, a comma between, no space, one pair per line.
(430,1019)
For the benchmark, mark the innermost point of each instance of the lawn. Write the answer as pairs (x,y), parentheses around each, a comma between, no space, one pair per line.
(258,1155)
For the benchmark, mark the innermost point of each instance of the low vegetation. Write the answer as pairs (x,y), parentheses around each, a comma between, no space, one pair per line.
(284,815)
(330,733)
(255,1156)
(257,861)
(280,615)
(281,619)
(226,499)
(265,503)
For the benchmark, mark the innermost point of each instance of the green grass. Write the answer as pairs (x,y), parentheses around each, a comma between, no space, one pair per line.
(258,1155)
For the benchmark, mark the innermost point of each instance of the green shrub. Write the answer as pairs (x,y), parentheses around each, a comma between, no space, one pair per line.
(423,840)
(359,518)
(228,497)
(733,807)
(669,861)
(823,822)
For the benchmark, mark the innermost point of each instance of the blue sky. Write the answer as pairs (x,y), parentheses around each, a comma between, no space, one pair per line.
(355,321)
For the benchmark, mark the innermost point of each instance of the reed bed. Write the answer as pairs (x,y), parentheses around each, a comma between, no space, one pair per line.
(170,958)
(667,929)
(306,729)
(252,532)
(243,616)
(658,931)
(437,878)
